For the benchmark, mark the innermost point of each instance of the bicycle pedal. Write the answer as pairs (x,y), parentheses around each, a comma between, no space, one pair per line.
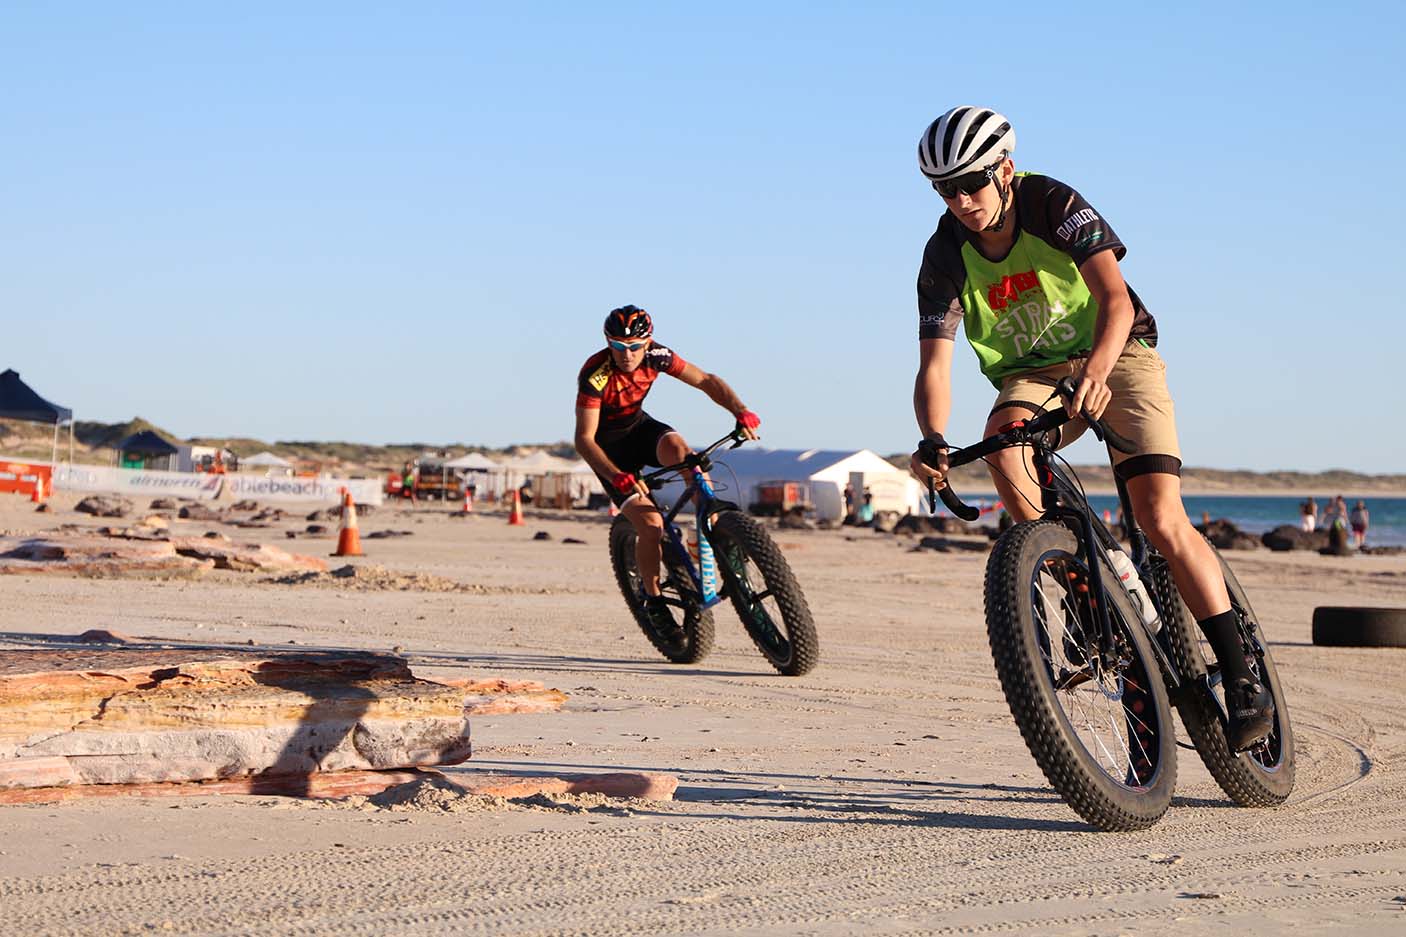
(1069,679)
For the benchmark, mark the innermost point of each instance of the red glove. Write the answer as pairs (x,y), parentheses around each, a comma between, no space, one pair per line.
(748,420)
(624,482)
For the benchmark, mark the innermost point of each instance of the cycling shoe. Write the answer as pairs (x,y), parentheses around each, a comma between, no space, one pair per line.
(1251,709)
(661,617)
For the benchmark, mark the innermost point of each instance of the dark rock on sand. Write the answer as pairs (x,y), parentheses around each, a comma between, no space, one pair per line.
(104,506)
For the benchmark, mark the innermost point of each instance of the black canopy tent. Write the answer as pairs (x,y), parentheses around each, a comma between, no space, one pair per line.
(139,447)
(18,401)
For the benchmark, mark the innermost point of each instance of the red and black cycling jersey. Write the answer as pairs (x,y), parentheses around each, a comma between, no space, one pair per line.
(619,395)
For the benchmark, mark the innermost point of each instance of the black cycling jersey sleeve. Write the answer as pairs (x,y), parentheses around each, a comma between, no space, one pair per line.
(1060,216)
(941,280)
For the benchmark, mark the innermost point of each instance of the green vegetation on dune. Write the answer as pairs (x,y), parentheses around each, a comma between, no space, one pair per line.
(108,435)
(96,442)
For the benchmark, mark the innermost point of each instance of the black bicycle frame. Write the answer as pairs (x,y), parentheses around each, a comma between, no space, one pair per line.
(1062,499)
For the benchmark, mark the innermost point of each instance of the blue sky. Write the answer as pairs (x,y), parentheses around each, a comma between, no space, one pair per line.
(333,221)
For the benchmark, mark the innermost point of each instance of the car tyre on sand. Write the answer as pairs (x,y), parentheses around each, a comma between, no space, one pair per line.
(1357,626)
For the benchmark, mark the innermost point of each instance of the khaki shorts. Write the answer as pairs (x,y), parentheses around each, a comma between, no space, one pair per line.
(1141,408)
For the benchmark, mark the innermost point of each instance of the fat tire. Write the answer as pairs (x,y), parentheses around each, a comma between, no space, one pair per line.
(1030,692)
(1242,777)
(697,621)
(756,545)
(1358,626)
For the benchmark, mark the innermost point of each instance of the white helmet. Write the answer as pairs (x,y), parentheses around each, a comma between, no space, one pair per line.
(965,139)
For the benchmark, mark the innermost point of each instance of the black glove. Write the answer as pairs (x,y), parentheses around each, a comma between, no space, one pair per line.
(931,450)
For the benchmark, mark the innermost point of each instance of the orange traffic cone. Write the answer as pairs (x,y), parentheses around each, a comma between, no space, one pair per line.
(348,536)
(468,501)
(515,515)
(38,496)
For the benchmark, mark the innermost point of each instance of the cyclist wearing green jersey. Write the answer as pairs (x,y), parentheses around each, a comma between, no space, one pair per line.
(1029,270)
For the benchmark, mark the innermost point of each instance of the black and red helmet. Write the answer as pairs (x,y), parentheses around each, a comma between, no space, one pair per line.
(628,322)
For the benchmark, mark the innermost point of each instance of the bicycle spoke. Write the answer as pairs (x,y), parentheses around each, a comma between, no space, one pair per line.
(1097,704)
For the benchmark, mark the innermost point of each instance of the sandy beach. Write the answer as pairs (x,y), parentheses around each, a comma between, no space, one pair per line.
(887,792)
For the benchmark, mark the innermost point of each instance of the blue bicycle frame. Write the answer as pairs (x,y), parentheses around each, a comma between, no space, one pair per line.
(705,587)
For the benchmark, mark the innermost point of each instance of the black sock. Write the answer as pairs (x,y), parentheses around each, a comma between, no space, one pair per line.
(1224,634)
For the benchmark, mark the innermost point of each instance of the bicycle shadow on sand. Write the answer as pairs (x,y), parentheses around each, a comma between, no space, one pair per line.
(808,798)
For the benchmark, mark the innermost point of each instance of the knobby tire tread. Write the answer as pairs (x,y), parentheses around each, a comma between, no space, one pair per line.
(1239,776)
(698,622)
(763,552)
(1008,582)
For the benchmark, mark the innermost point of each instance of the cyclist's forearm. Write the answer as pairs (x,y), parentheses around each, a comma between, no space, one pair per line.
(1111,330)
(932,401)
(589,450)
(722,394)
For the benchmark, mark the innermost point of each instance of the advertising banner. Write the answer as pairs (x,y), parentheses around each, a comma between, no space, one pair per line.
(206,486)
(323,488)
(194,485)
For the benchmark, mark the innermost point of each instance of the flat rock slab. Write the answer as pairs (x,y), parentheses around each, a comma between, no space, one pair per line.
(336,785)
(95,556)
(138,715)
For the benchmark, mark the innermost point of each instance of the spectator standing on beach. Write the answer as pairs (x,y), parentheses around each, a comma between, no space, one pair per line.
(1335,513)
(407,483)
(1359,520)
(1308,511)
(866,510)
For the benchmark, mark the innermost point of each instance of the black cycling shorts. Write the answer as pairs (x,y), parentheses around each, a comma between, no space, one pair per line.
(633,451)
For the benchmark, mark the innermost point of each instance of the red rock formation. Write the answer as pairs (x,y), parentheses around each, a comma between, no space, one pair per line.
(347,783)
(496,697)
(246,557)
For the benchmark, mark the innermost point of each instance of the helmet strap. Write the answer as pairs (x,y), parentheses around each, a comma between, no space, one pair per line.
(1000,221)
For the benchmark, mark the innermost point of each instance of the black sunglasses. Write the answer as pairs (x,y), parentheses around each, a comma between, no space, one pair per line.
(968,183)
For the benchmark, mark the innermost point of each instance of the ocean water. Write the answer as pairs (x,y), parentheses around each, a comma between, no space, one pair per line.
(1256,514)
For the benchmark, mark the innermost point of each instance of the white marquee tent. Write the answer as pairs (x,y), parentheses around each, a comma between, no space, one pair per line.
(266,460)
(473,462)
(827,471)
(497,477)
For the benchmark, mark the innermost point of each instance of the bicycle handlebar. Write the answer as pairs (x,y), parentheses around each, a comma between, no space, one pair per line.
(1020,434)
(694,459)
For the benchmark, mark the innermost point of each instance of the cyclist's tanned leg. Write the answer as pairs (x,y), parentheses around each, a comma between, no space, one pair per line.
(1159,511)
(1013,470)
(671,449)
(649,531)
(649,523)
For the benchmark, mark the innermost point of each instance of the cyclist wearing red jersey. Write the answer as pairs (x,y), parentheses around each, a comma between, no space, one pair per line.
(617,438)
(1029,270)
